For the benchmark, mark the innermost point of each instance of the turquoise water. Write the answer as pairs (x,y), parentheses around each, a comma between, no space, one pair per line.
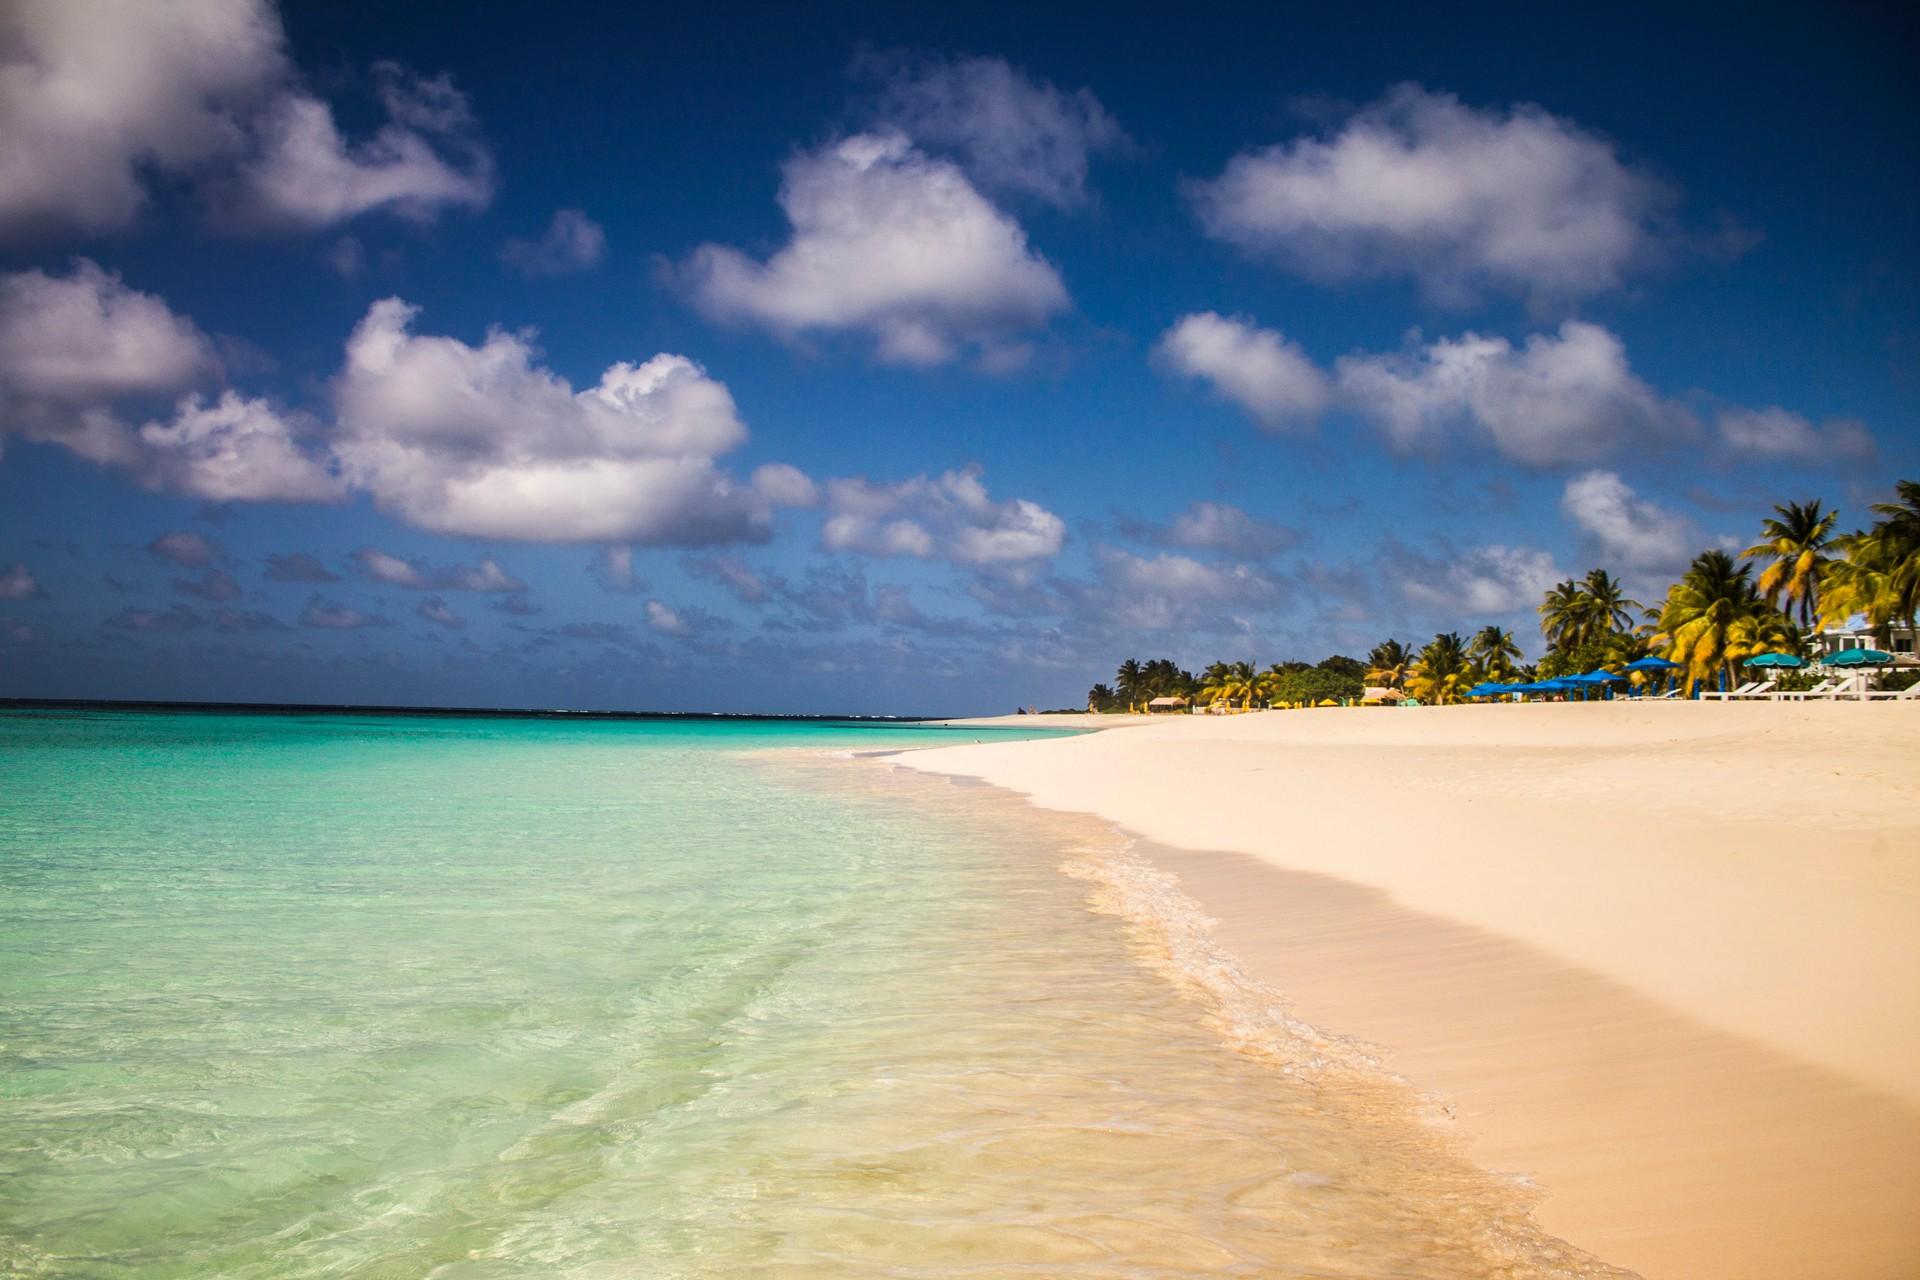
(351,996)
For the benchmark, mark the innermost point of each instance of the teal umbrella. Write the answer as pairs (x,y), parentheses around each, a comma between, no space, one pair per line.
(1773,660)
(1857,658)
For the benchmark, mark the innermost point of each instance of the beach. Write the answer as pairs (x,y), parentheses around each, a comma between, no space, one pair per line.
(1661,961)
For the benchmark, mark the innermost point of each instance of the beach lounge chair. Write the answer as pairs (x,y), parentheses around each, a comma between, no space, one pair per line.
(1909,694)
(1752,689)
(1820,690)
(1762,690)
(1849,687)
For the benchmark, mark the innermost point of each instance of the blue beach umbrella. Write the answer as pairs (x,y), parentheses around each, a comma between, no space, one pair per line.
(1651,664)
(1772,660)
(1858,658)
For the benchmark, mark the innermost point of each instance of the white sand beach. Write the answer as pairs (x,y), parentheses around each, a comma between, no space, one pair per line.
(1662,960)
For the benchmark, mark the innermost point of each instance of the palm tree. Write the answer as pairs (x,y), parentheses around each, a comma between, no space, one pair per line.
(1562,614)
(1387,664)
(1607,606)
(1880,576)
(1221,680)
(1250,685)
(1796,542)
(1713,617)
(1494,650)
(1441,670)
(1100,697)
(1131,680)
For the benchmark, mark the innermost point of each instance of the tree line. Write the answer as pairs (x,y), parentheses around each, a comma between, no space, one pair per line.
(1801,575)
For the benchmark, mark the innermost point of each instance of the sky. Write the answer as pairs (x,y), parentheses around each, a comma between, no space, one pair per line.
(912,360)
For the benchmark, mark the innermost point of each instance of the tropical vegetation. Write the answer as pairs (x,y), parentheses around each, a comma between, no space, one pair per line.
(1799,575)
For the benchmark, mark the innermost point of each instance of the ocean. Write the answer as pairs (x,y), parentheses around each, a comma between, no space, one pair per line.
(306,995)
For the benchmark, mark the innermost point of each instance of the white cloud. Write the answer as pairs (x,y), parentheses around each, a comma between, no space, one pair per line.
(85,337)
(1563,397)
(1013,133)
(1487,581)
(216,585)
(949,517)
(18,583)
(1638,534)
(785,486)
(433,609)
(486,441)
(735,575)
(92,98)
(234,450)
(1462,200)
(99,102)
(329,615)
(392,570)
(665,620)
(1774,432)
(1218,526)
(185,548)
(1164,591)
(1257,369)
(614,568)
(71,346)
(427,157)
(888,241)
(573,242)
(487,576)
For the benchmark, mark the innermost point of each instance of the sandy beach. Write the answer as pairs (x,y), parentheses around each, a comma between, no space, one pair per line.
(1663,961)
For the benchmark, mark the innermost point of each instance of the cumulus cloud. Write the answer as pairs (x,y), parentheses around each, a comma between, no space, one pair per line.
(573,242)
(1627,529)
(1487,581)
(1776,433)
(94,100)
(72,346)
(488,442)
(888,241)
(85,338)
(298,566)
(185,548)
(330,615)
(1254,368)
(216,585)
(204,92)
(1166,590)
(734,574)
(246,620)
(1013,133)
(1460,199)
(1218,526)
(614,568)
(236,449)
(433,609)
(950,517)
(1562,397)
(428,156)
(393,571)
(179,618)
(666,620)
(18,583)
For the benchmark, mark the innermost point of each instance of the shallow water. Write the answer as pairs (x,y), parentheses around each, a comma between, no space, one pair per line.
(338,996)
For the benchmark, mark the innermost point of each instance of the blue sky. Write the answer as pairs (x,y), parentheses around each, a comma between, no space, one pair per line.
(914,360)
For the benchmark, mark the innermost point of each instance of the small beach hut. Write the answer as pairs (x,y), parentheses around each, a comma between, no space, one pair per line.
(1166,703)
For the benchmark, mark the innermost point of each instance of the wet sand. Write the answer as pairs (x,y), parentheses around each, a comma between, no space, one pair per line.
(1663,961)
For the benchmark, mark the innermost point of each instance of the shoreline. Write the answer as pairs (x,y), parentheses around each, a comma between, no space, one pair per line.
(1681,1004)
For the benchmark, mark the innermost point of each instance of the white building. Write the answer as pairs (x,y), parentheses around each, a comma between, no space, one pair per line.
(1857,635)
